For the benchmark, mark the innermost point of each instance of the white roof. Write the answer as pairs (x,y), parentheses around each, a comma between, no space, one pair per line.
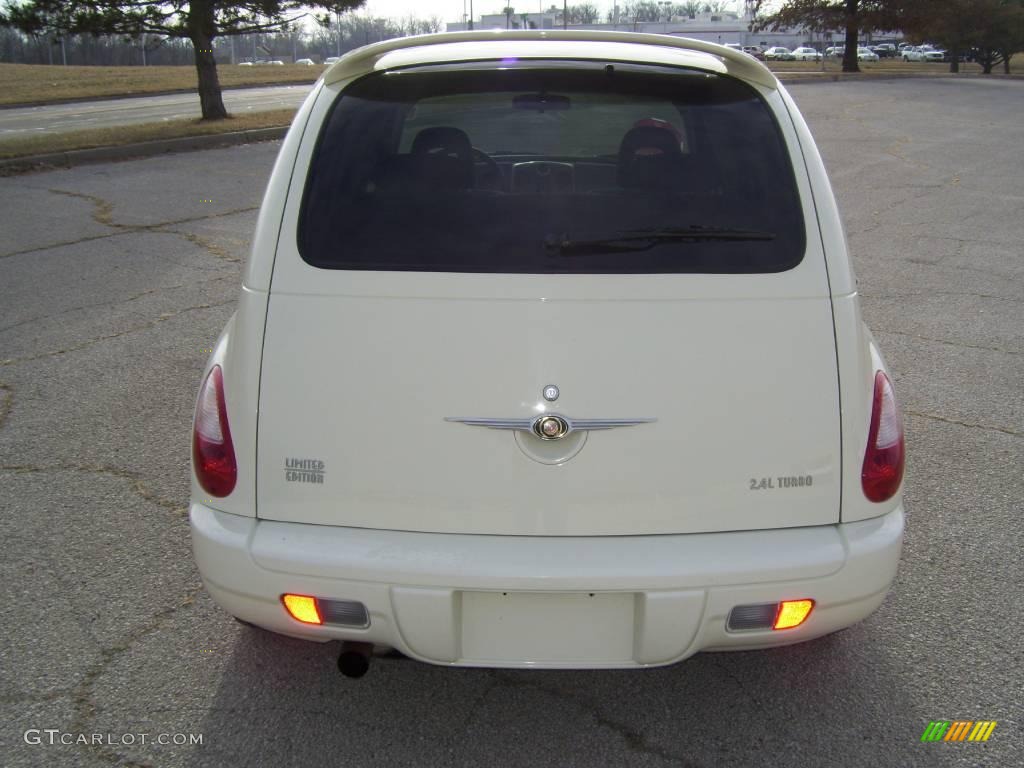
(594,45)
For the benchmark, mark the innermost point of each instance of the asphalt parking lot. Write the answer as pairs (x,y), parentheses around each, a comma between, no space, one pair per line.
(116,279)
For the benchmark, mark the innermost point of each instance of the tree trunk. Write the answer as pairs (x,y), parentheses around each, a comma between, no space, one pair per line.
(1007,55)
(987,61)
(954,61)
(209,84)
(852,29)
(202,29)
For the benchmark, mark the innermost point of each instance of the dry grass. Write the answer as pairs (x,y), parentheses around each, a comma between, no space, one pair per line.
(40,144)
(39,83)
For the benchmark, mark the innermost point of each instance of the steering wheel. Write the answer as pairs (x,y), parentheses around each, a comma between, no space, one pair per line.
(490,176)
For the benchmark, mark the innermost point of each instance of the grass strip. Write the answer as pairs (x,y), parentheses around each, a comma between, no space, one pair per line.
(41,83)
(44,143)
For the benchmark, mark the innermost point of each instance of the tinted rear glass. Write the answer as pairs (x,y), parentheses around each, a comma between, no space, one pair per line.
(537,169)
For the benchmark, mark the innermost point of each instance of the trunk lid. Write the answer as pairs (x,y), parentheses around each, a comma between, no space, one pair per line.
(357,385)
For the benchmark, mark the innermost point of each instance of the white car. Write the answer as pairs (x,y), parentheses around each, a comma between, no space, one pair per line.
(866,54)
(923,53)
(778,53)
(331,60)
(806,53)
(501,395)
(304,62)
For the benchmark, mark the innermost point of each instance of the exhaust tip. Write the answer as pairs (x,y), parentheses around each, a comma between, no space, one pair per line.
(354,661)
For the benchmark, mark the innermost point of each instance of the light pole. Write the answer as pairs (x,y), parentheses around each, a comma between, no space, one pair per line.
(565,14)
(471,14)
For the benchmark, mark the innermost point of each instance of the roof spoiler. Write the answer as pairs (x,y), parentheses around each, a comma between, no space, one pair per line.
(738,64)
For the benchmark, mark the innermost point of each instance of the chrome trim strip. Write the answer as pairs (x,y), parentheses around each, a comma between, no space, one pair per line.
(589,424)
(529,425)
(522,424)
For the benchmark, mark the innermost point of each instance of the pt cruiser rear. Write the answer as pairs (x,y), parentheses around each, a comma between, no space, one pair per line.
(548,353)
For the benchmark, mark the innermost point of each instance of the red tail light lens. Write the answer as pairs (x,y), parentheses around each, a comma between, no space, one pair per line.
(883,460)
(213,455)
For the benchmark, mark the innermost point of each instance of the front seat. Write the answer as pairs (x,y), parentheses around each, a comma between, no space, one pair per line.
(442,158)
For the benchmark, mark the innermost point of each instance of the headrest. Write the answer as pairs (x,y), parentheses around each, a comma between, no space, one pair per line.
(443,139)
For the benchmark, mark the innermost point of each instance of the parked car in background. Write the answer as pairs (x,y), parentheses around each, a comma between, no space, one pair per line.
(331,60)
(805,53)
(457,457)
(885,50)
(923,53)
(836,50)
(755,51)
(245,63)
(304,62)
(866,54)
(778,53)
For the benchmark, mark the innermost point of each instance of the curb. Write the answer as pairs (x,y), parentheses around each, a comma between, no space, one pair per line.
(142,149)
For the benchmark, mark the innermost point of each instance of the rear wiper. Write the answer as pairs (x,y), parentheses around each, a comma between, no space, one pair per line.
(644,239)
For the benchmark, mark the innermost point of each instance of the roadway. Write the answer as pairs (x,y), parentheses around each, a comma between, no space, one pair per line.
(108,113)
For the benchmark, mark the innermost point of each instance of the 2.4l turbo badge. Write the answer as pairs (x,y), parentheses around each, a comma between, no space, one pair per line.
(304,471)
(771,483)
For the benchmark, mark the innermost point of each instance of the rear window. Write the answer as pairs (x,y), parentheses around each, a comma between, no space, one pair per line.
(536,168)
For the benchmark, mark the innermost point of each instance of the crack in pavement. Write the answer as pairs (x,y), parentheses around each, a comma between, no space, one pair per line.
(209,246)
(635,741)
(896,150)
(161,319)
(138,485)
(112,303)
(743,688)
(104,209)
(82,694)
(6,402)
(125,229)
(955,422)
(948,342)
(474,707)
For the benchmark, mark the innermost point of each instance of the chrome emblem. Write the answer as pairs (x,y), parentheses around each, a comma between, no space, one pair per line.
(551,427)
(548,426)
(551,393)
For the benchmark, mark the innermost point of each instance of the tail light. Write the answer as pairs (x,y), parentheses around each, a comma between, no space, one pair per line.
(213,455)
(883,459)
(303,608)
(792,613)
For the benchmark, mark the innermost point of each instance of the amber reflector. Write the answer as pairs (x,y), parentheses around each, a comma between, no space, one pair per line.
(792,613)
(302,608)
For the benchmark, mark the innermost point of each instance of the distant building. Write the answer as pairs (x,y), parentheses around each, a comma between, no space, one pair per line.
(714,28)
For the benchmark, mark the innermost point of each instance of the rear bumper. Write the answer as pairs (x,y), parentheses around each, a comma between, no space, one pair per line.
(473,600)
